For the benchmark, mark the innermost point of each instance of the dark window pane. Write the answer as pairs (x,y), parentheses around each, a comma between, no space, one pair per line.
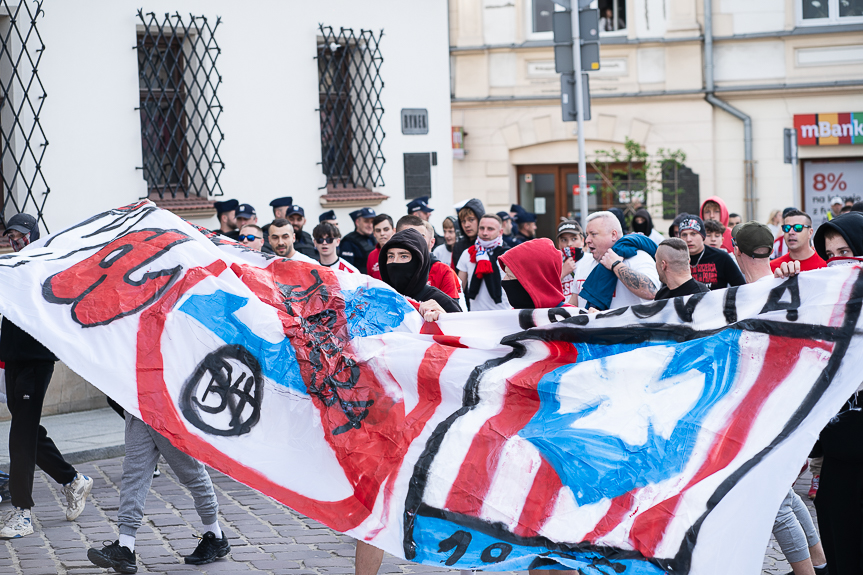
(814,9)
(542,10)
(850,8)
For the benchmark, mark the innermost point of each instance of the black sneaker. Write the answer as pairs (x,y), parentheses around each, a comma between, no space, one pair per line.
(209,549)
(112,556)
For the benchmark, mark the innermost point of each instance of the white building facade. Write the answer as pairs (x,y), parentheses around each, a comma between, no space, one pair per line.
(188,102)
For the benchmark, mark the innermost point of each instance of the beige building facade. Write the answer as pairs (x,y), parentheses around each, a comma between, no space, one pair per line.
(772,60)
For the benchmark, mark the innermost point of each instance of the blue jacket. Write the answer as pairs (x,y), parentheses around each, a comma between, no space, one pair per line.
(598,288)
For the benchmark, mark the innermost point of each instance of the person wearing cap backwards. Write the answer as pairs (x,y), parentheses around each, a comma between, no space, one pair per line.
(478,269)
(711,266)
(282,241)
(29,366)
(382,228)
(245,215)
(357,245)
(420,208)
(793,527)
(303,241)
(327,238)
(506,230)
(328,217)
(226,213)
(570,242)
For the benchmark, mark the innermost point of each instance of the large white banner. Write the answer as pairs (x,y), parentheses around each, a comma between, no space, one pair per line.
(651,439)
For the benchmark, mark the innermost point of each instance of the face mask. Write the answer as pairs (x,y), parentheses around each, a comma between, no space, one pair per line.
(844,261)
(640,228)
(517,295)
(401,275)
(20,244)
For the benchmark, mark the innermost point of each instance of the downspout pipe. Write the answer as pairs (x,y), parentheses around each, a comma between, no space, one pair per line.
(749,176)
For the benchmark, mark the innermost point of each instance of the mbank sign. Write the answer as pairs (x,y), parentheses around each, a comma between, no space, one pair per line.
(829,129)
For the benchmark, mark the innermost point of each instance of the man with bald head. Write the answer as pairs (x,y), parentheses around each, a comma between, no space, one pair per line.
(672,265)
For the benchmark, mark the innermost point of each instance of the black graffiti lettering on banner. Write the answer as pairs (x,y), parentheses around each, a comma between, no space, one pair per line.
(124,214)
(557,314)
(729,307)
(460,540)
(237,391)
(775,303)
(332,370)
(685,309)
(646,310)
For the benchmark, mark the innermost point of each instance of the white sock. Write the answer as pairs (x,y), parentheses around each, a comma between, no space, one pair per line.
(217,531)
(127,541)
(820,566)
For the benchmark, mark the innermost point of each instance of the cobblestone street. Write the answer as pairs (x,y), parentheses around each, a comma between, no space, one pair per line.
(265,536)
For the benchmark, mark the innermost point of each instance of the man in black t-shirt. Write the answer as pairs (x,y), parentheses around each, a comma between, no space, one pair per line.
(672,265)
(712,267)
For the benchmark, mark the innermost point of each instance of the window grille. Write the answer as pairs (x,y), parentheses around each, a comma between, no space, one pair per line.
(350,109)
(22,95)
(179,106)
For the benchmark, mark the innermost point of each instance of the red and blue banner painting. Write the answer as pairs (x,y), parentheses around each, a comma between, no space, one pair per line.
(644,440)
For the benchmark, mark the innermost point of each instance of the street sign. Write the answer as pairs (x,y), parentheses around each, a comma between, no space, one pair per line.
(567,97)
(591,190)
(590,56)
(588,24)
(561,24)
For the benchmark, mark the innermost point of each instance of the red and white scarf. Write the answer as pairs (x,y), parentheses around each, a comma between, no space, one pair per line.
(479,255)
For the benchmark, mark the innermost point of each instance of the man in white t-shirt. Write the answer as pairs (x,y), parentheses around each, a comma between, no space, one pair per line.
(482,286)
(637,280)
(282,241)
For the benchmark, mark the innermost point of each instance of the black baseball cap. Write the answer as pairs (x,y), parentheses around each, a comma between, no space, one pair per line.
(23,223)
(752,236)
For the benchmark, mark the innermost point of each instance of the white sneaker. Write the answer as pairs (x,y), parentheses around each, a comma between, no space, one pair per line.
(76,495)
(17,525)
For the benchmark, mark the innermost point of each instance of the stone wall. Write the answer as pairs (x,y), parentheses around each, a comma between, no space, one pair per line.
(68,392)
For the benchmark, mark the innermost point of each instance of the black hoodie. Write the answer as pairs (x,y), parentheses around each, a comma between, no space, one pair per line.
(849,226)
(465,242)
(418,289)
(647,226)
(676,223)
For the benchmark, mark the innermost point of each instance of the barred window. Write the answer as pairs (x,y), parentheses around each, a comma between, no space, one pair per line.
(179,106)
(22,140)
(350,86)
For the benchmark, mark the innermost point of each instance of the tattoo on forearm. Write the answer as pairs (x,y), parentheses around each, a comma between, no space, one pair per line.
(634,281)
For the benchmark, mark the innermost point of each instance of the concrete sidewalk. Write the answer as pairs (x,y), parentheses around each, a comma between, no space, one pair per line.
(82,436)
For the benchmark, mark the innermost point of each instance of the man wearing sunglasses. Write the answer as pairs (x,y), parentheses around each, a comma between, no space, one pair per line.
(252,237)
(797,227)
(327,239)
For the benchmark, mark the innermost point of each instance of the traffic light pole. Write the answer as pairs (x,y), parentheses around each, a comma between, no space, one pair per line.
(579,103)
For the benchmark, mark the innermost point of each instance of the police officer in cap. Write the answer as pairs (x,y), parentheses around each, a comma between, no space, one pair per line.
(227,213)
(328,217)
(506,229)
(303,241)
(280,207)
(420,208)
(526,223)
(357,245)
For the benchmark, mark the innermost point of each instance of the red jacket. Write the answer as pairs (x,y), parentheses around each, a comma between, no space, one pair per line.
(537,264)
(372,265)
(723,219)
(445,279)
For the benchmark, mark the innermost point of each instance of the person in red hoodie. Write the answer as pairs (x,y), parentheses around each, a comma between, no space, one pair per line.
(532,277)
(713,208)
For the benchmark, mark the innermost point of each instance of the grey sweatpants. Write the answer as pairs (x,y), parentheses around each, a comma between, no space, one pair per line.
(793,528)
(143,446)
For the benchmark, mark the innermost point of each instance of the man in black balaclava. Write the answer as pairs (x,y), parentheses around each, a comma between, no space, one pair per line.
(405,264)
(839,519)
(642,223)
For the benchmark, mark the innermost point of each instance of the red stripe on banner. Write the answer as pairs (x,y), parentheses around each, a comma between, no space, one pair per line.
(780,358)
(540,501)
(619,509)
(520,403)
(158,410)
